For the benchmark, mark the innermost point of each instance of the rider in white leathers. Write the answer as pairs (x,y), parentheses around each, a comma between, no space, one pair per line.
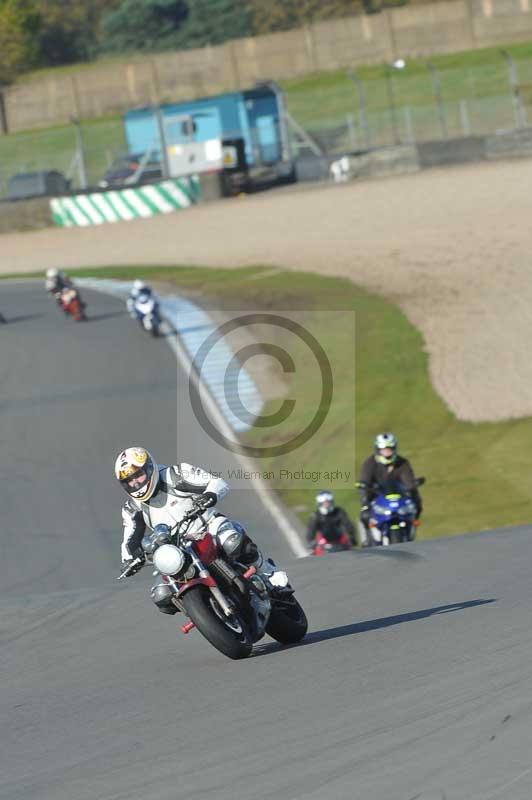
(160,494)
(138,288)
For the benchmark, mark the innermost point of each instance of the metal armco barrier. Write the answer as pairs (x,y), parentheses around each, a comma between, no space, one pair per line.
(125,204)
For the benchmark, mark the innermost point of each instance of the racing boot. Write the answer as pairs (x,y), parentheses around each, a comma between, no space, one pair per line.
(238,546)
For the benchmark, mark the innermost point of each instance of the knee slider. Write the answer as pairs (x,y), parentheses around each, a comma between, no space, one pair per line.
(235,542)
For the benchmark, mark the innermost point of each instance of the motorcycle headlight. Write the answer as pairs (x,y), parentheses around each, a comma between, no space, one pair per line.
(168,559)
(147,544)
(384,510)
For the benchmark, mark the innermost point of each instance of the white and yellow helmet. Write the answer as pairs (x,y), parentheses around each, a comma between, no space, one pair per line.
(137,472)
(385,448)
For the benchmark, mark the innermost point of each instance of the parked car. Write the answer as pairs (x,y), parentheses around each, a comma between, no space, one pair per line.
(130,170)
(45,183)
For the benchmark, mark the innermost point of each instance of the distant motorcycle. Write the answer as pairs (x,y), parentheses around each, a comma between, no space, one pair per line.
(392,514)
(70,302)
(146,310)
(322,546)
(230,604)
(3,320)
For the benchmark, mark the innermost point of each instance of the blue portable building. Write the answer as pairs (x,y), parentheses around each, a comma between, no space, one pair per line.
(255,116)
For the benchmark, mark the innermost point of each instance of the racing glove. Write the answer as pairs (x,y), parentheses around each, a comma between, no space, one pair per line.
(128,562)
(206,500)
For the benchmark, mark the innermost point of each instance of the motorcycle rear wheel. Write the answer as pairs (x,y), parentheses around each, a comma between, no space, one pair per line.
(229,637)
(288,622)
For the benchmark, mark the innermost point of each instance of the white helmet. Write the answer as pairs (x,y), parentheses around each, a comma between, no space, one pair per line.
(325,502)
(385,442)
(52,273)
(137,472)
(138,285)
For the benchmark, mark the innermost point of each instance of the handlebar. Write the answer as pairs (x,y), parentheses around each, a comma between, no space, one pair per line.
(364,485)
(180,529)
(131,568)
(196,511)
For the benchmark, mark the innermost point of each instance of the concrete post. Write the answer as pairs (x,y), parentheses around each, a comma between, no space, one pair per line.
(82,166)
(162,138)
(4,127)
(436,85)
(519,112)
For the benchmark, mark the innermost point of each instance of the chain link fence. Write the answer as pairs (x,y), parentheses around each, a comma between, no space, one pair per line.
(405,104)
(400,103)
(81,152)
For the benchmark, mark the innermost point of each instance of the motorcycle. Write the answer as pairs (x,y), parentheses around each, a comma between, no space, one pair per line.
(72,305)
(392,514)
(146,310)
(230,604)
(322,546)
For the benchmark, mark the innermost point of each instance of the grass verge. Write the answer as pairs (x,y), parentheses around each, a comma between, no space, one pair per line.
(474,470)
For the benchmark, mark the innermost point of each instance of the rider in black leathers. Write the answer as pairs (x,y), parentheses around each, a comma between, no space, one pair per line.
(57,281)
(386,465)
(330,520)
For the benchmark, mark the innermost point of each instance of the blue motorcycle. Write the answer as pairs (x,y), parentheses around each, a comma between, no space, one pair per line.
(145,309)
(392,514)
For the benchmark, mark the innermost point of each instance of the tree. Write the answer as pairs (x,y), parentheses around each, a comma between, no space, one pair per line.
(279,15)
(19,21)
(70,29)
(214,22)
(268,16)
(142,24)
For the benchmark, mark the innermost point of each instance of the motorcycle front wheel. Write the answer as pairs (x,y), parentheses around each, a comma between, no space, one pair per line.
(288,622)
(227,634)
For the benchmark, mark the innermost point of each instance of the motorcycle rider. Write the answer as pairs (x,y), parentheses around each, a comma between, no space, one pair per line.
(383,465)
(330,520)
(57,281)
(138,288)
(160,494)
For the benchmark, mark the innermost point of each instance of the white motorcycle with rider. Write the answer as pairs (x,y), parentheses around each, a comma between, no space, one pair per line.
(143,306)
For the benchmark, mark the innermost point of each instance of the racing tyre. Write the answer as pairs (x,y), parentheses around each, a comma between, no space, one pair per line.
(228,635)
(288,622)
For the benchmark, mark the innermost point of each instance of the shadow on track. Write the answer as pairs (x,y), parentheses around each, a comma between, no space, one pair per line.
(22,318)
(108,315)
(393,552)
(370,625)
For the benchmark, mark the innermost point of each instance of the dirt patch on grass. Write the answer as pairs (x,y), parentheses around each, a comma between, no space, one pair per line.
(452,247)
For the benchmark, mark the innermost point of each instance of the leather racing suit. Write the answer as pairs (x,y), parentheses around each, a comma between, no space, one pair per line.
(172,500)
(331,526)
(372,473)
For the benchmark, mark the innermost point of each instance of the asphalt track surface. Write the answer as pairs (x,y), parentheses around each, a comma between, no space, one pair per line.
(415,680)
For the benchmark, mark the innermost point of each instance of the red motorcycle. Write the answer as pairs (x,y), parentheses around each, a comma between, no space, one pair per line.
(70,302)
(229,603)
(322,546)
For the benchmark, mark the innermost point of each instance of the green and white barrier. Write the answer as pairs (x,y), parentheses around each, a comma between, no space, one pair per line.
(125,204)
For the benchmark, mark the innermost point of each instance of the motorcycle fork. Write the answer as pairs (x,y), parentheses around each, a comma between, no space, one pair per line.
(207,580)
